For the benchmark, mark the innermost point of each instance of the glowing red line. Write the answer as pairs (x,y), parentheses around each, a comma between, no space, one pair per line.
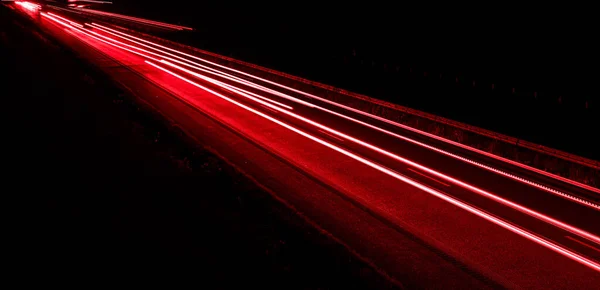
(494,197)
(97,38)
(582,243)
(92,1)
(380,168)
(557,223)
(176,56)
(195,65)
(233,88)
(137,19)
(478,164)
(462,184)
(71,22)
(429,177)
(57,20)
(67,20)
(28,5)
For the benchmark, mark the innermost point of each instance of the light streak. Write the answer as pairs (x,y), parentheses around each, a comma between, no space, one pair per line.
(97,38)
(447,153)
(29,6)
(396,157)
(67,20)
(482,214)
(136,19)
(434,192)
(462,184)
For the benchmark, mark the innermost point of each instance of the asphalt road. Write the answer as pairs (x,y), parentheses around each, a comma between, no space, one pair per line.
(416,213)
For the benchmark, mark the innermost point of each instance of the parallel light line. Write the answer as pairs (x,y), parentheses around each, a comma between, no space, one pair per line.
(462,184)
(511,204)
(181,58)
(541,241)
(467,207)
(447,153)
(136,19)
(67,20)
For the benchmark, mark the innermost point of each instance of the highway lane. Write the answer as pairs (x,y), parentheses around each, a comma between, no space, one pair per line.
(480,157)
(525,193)
(370,186)
(540,227)
(551,183)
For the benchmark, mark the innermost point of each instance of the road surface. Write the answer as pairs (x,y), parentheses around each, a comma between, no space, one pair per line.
(419,208)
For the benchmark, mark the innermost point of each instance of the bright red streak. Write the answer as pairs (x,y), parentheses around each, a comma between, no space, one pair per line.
(487,194)
(478,164)
(91,1)
(97,38)
(267,104)
(29,6)
(140,54)
(423,187)
(409,162)
(67,20)
(136,19)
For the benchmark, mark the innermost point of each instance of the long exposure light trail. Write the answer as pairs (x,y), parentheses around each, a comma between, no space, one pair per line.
(467,207)
(29,6)
(487,194)
(482,214)
(566,180)
(136,19)
(447,153)
(92,36)
(406,161)
(66,20)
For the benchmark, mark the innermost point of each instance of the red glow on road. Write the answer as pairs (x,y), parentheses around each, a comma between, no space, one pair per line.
(513,205)
(273,104)
(66,20)
(450,154)
(136,19)
(94,37)
(412,163)
(389,172)
(389,154)
(91,1)
(29,6)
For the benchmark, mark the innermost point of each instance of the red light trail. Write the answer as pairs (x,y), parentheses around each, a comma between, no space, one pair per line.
(447,153)
(239,80)
(67,20)
(137,19)
(282,108)
(434,192)
(29,6)
(409,162)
